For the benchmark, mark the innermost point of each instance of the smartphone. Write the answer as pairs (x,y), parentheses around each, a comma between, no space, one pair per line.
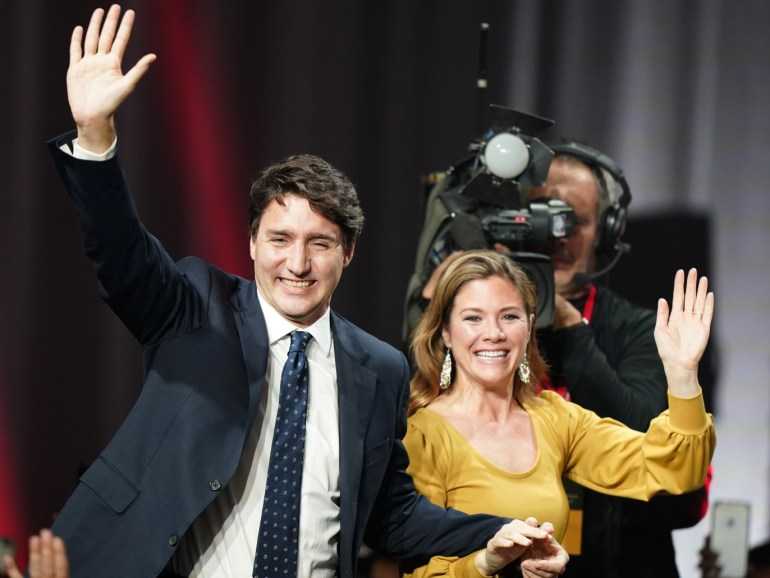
(730,537)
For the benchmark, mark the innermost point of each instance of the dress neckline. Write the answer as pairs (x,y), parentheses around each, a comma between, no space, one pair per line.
(454,432)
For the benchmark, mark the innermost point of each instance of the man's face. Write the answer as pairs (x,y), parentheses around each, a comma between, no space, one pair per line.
(575,184)
(298,259)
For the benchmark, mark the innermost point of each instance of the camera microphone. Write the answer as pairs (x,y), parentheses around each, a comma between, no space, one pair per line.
(580,279)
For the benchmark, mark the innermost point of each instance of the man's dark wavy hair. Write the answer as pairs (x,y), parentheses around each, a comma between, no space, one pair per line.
(327,189)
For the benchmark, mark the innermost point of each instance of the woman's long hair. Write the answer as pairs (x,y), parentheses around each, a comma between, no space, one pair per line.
(427,346)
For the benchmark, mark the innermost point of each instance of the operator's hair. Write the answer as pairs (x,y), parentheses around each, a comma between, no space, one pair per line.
(427,343)
(328,191)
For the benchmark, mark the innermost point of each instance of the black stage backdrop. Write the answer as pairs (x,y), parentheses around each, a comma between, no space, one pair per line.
(385,91)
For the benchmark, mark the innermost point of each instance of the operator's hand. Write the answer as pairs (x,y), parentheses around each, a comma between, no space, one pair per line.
(545,558)
(709,561)
(565,314)
(96,85)
(430,286)
(682,333)
(508,544)
(47,558)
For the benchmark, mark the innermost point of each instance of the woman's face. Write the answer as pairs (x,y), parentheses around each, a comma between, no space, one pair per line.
(487,331)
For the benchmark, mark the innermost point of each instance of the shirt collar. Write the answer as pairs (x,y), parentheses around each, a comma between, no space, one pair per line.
(279,327)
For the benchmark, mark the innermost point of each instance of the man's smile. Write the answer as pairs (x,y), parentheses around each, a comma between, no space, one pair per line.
(296,283)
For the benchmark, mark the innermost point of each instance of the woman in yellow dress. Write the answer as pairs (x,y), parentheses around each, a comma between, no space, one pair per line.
(481,439)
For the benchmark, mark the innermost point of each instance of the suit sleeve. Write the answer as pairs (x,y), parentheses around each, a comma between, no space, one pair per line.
(137,278)
(405,524)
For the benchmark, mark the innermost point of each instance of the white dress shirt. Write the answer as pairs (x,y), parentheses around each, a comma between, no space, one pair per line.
(222,541)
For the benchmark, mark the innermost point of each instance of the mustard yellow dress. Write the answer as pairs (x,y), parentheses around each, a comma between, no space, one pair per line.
(601,454)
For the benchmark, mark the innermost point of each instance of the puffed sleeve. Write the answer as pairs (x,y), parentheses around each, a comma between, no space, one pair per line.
(429,467)
(672,456)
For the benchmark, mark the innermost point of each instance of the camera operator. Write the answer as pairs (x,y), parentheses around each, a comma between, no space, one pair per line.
(602,355)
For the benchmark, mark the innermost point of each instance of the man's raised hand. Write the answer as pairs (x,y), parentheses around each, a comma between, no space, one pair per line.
(96,85)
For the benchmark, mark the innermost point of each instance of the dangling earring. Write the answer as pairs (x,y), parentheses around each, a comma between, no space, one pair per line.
(524,371)
(446,370)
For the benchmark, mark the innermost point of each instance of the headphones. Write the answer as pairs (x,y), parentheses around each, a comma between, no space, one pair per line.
(612,220)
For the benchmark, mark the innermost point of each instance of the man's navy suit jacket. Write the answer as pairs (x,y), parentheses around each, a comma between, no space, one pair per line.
(206,351)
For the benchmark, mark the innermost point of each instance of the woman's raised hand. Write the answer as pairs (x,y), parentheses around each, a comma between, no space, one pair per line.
(682,332)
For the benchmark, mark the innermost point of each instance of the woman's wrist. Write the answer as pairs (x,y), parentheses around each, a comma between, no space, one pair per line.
(480,562)
(683,382)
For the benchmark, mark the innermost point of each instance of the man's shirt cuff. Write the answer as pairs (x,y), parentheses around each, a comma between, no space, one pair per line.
(82,154)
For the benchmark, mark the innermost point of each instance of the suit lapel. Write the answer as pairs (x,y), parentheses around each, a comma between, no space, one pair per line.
(252,332)
(356,386)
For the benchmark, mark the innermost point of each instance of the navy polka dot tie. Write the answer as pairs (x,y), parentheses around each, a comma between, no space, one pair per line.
(278,541)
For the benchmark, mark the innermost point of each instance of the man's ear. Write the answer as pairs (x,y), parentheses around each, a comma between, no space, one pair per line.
(253,246)
(348,253)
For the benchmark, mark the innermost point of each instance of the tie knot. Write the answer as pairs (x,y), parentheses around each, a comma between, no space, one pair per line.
(299,341)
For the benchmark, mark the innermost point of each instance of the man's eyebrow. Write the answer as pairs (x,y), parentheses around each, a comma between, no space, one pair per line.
(278,232)
(326,236)
(311,236)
